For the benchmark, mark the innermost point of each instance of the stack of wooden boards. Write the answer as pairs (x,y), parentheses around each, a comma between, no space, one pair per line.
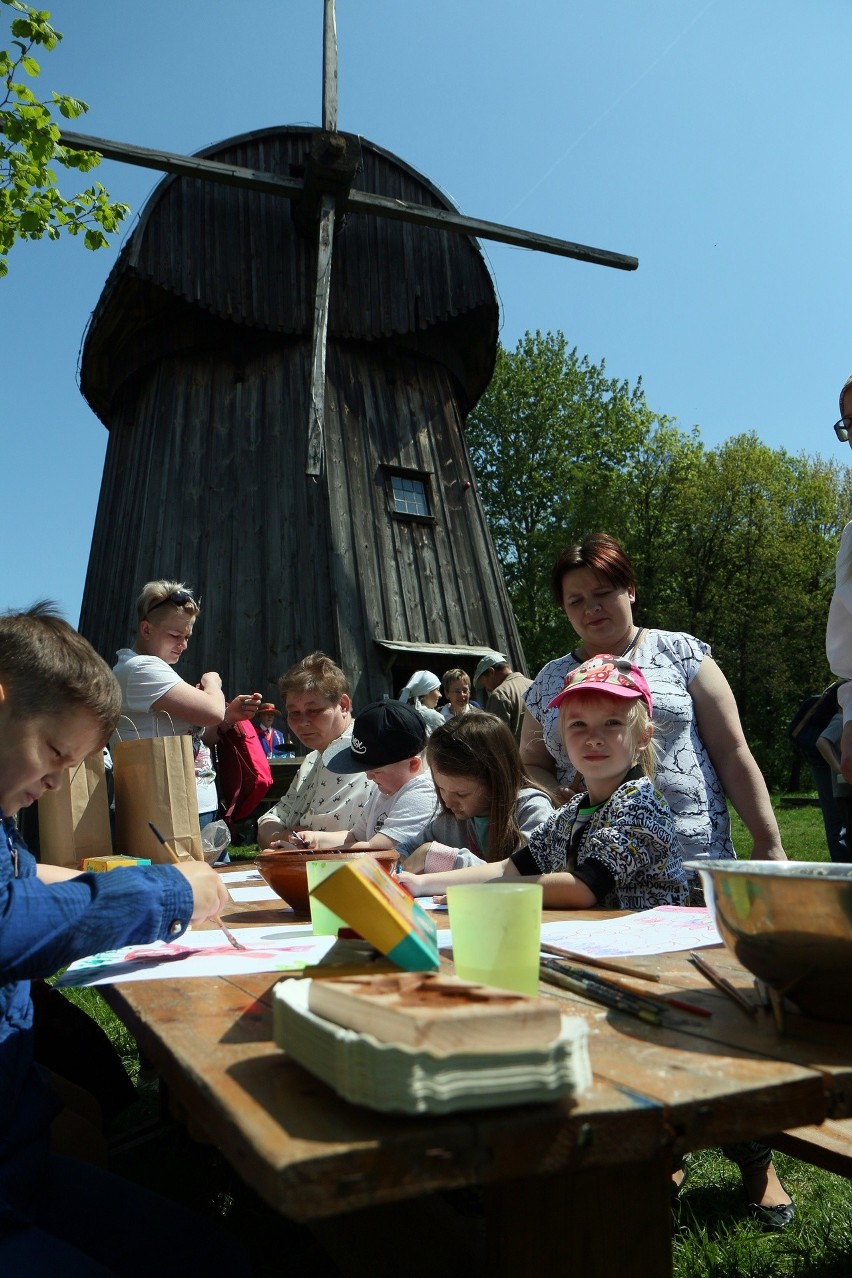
(429,1043)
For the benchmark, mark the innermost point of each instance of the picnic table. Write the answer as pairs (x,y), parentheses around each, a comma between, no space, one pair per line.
(582,1184)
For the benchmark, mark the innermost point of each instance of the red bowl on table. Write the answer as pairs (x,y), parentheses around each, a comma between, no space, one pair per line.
(287,875)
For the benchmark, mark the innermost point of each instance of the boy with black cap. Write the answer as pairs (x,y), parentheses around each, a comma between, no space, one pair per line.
(388,739)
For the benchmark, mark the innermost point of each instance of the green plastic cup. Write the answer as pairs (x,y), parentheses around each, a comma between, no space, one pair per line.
(496,930)
(324,922)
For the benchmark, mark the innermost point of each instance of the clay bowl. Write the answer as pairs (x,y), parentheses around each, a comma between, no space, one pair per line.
(790,924)
(286,872)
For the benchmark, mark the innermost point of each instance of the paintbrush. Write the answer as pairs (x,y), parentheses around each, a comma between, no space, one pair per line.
(722,983)
(666,1000)
(609,964)
(232,940)
(600,991)
(167,846)
(658,1002)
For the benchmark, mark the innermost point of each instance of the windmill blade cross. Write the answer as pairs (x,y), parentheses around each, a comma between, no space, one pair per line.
(325,243)
(444,220)
(355,202)
(316,419)
(329,68)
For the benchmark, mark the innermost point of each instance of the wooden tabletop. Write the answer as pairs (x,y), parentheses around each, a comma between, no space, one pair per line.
(658,1091)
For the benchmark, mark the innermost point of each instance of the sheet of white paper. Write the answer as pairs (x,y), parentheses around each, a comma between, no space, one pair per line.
(268,949)
(429,903)
(259,892)
(667,928)
(659,931)
(242,876)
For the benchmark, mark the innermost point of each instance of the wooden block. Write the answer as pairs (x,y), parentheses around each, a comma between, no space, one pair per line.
(374,905)
(440,1014)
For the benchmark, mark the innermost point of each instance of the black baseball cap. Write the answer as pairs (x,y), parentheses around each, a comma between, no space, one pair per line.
(384,732)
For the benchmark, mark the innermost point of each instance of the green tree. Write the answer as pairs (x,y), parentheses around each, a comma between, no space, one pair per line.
(765,605)
(733,544)
(31,204)
(548,441)
(660,476)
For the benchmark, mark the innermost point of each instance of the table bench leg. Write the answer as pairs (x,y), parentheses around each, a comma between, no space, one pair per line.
(591,1223)
(416,1238)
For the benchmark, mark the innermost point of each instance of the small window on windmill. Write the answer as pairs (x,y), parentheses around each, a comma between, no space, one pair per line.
(409,494)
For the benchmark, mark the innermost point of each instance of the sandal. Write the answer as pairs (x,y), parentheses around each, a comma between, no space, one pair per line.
(773,1219)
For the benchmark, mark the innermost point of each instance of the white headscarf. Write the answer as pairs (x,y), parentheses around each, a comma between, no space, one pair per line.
(421,683)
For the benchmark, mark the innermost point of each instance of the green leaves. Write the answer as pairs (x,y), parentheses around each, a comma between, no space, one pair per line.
(71,108)
(31,203)
(734,544)
(548,442)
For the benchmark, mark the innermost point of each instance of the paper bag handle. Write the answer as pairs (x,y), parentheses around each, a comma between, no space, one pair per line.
(132,724)
(156,721)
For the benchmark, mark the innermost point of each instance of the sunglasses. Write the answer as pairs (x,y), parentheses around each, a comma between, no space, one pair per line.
(178,598)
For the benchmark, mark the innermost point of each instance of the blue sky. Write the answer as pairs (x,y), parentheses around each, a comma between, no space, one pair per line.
(709,139)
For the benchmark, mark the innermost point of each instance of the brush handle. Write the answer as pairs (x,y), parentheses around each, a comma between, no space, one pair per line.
(609,965)
(167,846)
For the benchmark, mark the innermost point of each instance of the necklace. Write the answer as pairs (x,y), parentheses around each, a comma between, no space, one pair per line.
(630,646)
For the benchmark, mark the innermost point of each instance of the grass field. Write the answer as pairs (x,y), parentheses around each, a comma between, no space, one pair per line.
(713,1237)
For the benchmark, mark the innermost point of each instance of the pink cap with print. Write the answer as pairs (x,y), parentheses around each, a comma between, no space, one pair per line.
(614,675)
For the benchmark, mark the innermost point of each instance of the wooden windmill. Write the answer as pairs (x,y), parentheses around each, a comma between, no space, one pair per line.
(312,505)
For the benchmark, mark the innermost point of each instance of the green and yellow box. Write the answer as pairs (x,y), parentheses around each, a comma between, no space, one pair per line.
(379,909)
(100,864)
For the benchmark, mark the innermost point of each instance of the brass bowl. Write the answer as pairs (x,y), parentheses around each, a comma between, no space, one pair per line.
(287,875)
(789,923)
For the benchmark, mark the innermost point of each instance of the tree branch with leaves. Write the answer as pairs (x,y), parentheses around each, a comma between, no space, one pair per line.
(31,203)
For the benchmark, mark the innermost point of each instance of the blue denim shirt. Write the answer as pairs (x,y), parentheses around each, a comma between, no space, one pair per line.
(43,928)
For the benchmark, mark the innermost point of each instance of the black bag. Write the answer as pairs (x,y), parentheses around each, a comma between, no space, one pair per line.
(813,717)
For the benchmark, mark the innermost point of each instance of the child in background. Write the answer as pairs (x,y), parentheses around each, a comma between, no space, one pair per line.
(387,744)
(488,808)
(615,844)
(58,704)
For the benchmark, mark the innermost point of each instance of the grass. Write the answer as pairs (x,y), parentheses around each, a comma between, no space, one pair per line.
(713,1236)
(800,822)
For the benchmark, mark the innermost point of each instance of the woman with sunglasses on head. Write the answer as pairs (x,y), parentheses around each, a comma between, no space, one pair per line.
(703,758)
(159,702)
(838,635)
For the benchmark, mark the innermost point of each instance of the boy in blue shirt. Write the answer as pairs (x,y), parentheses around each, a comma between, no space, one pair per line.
(59,702)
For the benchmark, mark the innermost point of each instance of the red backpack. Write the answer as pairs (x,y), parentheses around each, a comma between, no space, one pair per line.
(243,774)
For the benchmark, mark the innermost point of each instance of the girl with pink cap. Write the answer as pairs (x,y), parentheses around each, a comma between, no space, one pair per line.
(614,845)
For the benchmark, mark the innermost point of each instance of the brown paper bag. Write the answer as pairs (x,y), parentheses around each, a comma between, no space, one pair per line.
(154,781)
(73,820)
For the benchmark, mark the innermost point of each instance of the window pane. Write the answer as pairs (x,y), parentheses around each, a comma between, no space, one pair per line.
(409,495)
